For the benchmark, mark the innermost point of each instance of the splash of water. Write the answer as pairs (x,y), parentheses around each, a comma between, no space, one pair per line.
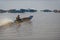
(5,21)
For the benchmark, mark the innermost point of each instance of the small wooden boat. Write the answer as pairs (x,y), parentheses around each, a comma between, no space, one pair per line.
(24,19)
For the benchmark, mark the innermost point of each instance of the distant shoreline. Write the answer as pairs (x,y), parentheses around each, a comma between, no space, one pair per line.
(28,10)
(17,11)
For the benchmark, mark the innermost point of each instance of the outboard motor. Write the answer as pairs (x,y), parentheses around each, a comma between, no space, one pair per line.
(31,17)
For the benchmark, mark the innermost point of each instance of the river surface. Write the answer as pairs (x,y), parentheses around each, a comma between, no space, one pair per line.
(43,26)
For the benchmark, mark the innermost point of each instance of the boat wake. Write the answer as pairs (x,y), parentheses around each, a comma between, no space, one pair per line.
(6,22)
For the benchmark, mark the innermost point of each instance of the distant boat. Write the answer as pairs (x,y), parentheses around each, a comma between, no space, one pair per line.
(24,19)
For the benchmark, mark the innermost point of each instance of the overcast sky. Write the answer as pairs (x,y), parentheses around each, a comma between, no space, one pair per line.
(37,4)
(29,0)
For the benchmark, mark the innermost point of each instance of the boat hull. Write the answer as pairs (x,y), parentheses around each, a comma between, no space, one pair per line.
(24,19)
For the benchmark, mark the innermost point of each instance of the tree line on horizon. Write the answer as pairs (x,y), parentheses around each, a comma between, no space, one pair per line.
(27,10)
(17,11)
